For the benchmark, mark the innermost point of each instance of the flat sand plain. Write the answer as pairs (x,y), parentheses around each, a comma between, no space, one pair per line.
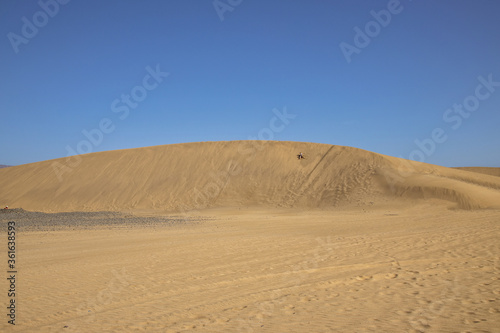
(412,268)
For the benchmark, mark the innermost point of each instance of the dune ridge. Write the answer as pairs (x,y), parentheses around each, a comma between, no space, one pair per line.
(194,176)
(486,170)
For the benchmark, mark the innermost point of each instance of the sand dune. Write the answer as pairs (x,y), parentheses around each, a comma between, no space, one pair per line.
(343,241)
(193,176)
(485,170)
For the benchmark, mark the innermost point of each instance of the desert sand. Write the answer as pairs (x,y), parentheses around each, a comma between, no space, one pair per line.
(485,170)
(186,177)
(244,237)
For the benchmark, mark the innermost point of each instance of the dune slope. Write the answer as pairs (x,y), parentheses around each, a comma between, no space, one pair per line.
(192,176)
(486,170)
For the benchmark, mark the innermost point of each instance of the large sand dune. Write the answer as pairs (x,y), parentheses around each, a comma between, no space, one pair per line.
(193,176)
(343,241)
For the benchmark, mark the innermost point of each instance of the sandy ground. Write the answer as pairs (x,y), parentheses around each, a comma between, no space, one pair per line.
(420,269)
(344,240)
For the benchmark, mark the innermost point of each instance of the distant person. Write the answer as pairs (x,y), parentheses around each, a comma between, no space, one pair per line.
(300,156)
(6,207)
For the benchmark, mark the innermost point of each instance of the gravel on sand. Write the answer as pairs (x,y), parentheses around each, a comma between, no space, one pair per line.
(38,221)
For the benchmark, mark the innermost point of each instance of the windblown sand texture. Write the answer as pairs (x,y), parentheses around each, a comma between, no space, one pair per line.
(237,174)
(244,237)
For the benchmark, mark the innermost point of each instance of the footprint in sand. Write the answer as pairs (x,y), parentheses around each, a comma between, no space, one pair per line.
(364,277)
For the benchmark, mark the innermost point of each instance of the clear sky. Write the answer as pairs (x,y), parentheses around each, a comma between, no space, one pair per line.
(415,79)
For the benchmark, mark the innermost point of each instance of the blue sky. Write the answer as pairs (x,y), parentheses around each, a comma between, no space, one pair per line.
(73,72)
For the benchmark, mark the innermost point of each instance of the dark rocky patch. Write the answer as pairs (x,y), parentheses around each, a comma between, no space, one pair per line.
(38,221)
